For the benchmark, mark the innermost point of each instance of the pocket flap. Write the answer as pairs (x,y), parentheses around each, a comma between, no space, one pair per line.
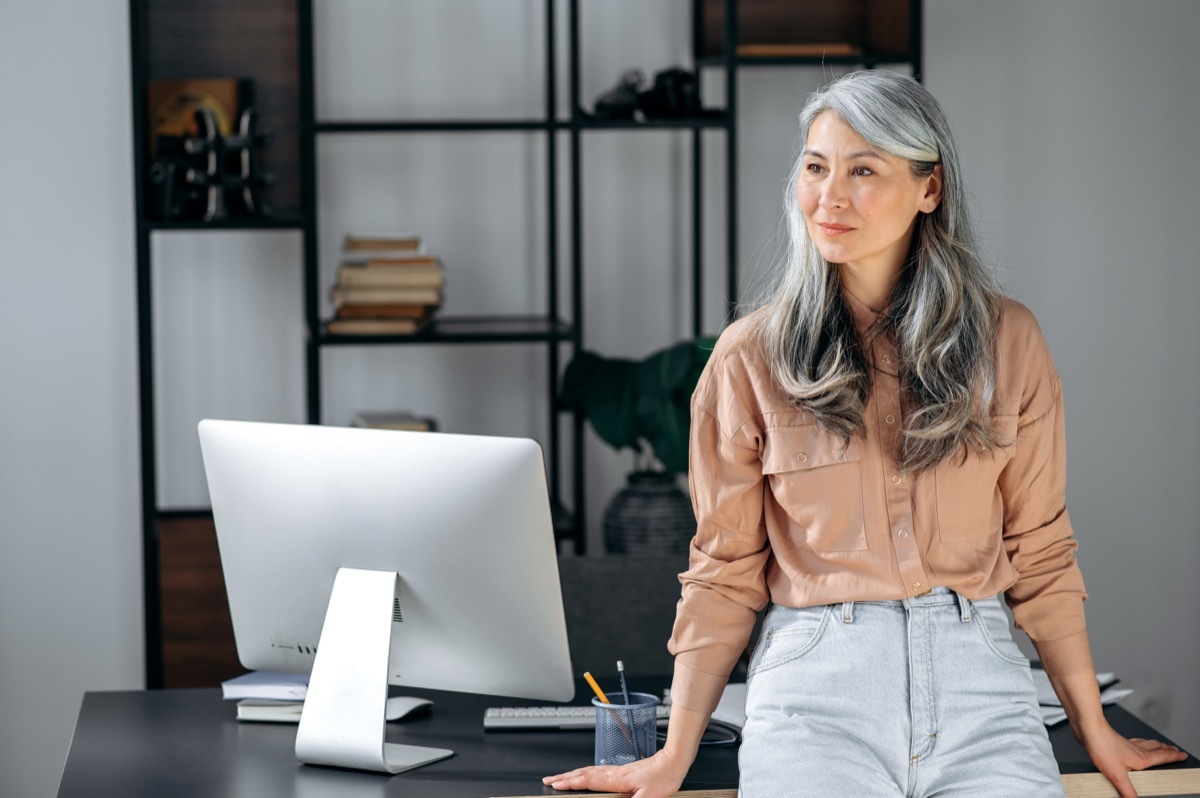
(797,448)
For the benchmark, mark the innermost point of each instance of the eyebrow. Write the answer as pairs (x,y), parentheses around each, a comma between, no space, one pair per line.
(851,157)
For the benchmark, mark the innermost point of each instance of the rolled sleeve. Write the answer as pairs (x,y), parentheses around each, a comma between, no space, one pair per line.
(1047,598)
(724,585)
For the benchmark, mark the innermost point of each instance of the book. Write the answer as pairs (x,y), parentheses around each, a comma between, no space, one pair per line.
(355,276)
(268,710)
(376,326)
(401,420)
(266,684)
(408,242)
(384,296)
(384,311)
(391,258)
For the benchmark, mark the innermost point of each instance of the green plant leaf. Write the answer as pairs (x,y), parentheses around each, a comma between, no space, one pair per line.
(601,389)
(630,401)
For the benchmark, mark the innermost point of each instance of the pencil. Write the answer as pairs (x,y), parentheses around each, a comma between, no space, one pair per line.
(596,688)
(604,700)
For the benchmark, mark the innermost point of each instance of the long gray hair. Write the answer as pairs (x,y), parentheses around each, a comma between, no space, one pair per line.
(944,310)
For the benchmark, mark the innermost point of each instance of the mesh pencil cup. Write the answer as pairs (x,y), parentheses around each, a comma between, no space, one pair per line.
(626,732)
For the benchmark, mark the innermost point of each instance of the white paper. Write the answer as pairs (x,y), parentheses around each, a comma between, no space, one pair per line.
(1045,692)
(266,684)
(731,709)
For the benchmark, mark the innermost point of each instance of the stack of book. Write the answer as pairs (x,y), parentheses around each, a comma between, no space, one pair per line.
(401,420)
(266,696)
(386,285)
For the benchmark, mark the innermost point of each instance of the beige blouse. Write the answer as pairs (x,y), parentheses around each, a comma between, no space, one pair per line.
(787,515)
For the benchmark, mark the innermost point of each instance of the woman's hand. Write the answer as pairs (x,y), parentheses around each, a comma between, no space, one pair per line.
(1115,756)
(1112,754)
(657,776)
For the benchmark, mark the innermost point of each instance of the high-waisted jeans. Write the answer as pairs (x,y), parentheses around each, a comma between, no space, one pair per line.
(920,697)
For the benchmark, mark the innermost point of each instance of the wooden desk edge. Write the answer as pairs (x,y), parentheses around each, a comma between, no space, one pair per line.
(1075,785)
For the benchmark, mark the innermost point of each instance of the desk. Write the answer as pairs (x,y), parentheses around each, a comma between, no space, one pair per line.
(188,744)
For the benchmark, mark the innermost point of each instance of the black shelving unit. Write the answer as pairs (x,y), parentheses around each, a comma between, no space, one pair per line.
(161,48)
(548,329)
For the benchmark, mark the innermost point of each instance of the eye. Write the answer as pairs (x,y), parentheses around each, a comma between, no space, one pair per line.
(814,168)
(861,171)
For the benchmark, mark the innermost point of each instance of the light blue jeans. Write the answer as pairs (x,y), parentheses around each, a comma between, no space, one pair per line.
(920,697)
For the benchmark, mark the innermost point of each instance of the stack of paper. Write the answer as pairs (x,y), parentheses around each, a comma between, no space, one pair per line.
(266,684)
(267,696)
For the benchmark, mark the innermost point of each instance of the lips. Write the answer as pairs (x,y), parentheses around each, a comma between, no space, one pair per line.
(833,230)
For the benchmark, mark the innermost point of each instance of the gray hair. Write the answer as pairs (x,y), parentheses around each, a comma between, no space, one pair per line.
(944,310)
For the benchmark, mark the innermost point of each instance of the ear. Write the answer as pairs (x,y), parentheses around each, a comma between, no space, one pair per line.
(933,190)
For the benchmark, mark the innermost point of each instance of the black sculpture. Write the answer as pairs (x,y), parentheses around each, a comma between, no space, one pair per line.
(210,177)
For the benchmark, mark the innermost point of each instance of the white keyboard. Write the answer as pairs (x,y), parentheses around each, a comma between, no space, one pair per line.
(573,717)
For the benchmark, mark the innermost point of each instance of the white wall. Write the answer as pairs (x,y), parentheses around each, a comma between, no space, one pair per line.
(1075,119)
(1075,122)
(70,561)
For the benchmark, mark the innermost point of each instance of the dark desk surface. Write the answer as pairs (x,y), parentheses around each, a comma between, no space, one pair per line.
(186,743)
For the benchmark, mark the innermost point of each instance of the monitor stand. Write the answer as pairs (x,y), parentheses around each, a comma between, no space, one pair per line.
(342,724)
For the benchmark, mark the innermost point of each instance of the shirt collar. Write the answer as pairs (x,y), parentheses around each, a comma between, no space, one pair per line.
(863,316)
(881,352)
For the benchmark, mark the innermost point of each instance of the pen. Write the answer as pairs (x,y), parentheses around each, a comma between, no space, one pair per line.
(628,711)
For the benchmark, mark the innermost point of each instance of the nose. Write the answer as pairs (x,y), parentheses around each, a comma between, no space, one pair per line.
(833,193)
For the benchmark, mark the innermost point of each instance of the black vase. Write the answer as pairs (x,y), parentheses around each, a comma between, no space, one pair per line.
(650,515)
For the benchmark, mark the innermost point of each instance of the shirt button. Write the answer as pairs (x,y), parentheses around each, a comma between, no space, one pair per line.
(904,533)
(802,456)
(895,479)
(887,358)
(916,585)
(889,418)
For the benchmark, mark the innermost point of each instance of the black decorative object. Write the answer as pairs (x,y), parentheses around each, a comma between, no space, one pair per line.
(621,101)
(208,176)
(650,515)
(674,94)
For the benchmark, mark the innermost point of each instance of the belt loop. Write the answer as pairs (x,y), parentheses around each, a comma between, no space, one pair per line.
(964,604)
(847,612)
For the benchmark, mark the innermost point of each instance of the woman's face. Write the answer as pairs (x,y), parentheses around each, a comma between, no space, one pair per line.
(860,204)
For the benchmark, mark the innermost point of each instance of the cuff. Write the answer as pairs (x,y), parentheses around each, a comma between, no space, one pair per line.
(1064,656)
(696,690)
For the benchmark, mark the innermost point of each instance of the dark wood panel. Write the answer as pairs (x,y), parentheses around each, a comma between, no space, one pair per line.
(879,27)
(254,39)
(198,646)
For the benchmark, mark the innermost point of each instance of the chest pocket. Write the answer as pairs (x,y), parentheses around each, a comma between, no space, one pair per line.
(970,508)
(816,487)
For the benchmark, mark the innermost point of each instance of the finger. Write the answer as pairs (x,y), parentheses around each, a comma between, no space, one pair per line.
(1124,786)
(1149,743)
(564,776)
(1160,757)
(578,782)
(590,778)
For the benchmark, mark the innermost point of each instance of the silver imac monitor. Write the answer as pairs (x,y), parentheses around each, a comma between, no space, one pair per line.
(376,557)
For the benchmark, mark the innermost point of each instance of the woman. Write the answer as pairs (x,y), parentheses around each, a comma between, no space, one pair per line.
(878,452)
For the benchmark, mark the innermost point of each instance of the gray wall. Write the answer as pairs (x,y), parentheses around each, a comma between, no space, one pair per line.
(1076,120)
(70,563)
